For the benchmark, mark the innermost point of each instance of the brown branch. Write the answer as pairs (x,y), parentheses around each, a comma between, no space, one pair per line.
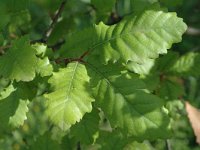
(54,21)
(68,60)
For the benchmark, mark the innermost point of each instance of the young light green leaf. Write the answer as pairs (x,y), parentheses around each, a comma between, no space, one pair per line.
(40,49)
(13,109)
(20,114)
(143,69)
(5,91)
(19,62)
(44,68)
(70,98)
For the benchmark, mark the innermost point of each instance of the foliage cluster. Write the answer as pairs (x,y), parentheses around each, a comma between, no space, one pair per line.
(97,74)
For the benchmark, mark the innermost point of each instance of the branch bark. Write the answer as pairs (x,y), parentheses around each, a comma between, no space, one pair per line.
(54,21)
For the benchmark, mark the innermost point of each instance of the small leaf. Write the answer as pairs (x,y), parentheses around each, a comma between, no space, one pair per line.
(20,115)
(143,69)
(13,109)
(40,49)
(70,98)
(44,68)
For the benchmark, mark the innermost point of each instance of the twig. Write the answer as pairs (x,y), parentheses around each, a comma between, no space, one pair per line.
(193,31)
(168,145)
(68,60)
(54,21)
(2,48)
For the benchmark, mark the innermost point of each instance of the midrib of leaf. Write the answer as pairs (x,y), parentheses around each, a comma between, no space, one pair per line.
(69,88)
(119,91)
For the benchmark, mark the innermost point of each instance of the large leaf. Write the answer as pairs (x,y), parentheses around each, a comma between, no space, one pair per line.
(138,113)
(136,38)
(70,98)
(19,62)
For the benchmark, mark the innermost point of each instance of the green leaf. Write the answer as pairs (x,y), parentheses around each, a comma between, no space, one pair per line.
(103,5)
(40,49)
(187,65)
(103,9)
(112,140)
(138,146)
(136,38)
(171,90)
(144,68)
(20,114)
(19,62)
(6,88)
(139,38)
(69,143)
(70,98)
(44,142)
(13,109)
(44,68)
(164,63)
(85,130)
(11,9)
(5,17)
(135,6)
(136,112)
(140,5)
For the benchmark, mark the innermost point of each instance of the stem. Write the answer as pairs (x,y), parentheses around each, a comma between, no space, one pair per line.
(54,20)
(2,48)
(193,31)
(168,144)
(68,60)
